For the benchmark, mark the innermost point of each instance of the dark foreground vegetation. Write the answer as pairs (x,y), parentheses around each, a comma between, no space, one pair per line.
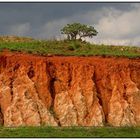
(100,132)
(67,48)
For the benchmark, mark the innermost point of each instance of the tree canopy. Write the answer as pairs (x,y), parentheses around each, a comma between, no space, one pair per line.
(78,31)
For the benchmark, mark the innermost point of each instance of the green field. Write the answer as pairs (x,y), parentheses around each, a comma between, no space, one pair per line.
(68,48)
(80,132)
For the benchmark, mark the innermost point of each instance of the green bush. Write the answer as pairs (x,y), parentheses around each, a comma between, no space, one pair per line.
(74,45)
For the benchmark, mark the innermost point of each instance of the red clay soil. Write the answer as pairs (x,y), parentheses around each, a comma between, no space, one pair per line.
(69,91)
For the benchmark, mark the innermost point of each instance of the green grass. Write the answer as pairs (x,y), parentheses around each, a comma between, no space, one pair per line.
(100,132)
(70,48)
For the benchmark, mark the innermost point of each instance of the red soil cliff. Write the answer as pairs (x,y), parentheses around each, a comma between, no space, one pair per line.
(69,91)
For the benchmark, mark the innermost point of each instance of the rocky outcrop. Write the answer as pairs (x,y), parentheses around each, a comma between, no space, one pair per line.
(69,91)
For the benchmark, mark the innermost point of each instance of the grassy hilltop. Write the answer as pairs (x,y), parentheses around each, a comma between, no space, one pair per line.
(67,48)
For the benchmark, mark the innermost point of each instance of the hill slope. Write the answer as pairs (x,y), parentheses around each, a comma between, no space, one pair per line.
(66,48)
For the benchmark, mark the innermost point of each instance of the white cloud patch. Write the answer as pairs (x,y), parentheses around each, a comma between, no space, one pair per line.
(119,28)
(119,25)
(20,29)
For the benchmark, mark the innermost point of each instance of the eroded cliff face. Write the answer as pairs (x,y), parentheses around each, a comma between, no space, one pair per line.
(69,91)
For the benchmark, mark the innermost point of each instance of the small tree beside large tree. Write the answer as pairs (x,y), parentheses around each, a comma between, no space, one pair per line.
(78,31)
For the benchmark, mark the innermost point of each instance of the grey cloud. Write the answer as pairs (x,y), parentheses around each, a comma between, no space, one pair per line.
(20,29)
(38,13)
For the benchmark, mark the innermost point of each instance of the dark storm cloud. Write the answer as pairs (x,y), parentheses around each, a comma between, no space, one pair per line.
(44,11)
(38,13)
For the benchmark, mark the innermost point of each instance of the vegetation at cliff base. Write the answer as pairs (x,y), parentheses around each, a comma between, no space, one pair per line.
(66,48)
(65,132)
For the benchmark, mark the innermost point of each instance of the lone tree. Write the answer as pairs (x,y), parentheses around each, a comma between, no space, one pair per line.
(78,31)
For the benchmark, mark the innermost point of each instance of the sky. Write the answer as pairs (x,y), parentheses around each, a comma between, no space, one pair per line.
(116,23)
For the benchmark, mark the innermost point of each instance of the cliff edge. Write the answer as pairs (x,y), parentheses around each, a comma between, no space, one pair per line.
(69,91)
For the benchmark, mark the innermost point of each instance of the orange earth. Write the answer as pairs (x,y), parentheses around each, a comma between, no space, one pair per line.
(69,91)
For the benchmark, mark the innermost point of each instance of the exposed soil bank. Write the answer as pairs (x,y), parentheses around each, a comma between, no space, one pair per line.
(69,91)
